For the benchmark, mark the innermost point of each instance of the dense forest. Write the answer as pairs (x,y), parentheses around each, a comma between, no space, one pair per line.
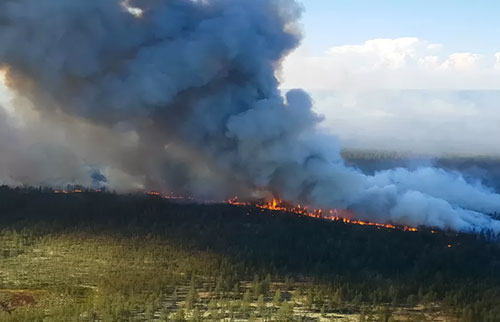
(100,256)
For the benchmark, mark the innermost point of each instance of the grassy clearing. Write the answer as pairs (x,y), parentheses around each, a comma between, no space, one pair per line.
(97,277)
(103,257)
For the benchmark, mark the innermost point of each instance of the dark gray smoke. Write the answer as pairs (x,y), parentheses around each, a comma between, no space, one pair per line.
(182,95)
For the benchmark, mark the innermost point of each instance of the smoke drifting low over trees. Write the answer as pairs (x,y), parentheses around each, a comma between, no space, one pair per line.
(182,95)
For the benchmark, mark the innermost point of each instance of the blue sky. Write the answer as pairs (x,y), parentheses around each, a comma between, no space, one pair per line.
(425,72)
(461,25)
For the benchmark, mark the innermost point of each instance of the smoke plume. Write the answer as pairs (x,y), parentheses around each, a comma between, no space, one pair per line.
(182,95)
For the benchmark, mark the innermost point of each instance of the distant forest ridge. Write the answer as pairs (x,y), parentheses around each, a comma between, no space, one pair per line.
(380,154)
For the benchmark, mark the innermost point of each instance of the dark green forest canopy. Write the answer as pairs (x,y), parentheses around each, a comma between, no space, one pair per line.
(365,264)
(270,240)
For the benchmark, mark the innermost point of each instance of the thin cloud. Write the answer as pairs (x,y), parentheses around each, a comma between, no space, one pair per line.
(400,63)
(403,94)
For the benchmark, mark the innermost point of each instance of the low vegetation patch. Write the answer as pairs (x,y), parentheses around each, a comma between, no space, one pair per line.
(104,257)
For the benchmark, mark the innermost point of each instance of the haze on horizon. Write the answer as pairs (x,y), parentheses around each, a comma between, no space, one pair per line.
(397,77)
(138,99)
(413,77)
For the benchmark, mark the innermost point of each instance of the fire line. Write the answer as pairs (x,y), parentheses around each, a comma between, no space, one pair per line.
(336,215)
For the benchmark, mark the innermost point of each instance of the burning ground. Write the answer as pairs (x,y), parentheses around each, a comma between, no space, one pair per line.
(108,257)
(183,96)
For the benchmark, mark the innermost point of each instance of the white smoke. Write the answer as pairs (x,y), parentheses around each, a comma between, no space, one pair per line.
(184,96)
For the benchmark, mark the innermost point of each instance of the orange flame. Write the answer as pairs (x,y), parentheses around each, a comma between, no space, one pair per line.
(338,215)
(236,202)
(167,196)
(65,192)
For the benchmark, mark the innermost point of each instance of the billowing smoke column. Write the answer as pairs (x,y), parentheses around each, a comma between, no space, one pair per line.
(182,95)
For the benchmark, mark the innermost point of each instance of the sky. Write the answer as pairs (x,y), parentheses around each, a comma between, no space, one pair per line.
(411,76)
(424,72)
(462,25)
(182,97)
